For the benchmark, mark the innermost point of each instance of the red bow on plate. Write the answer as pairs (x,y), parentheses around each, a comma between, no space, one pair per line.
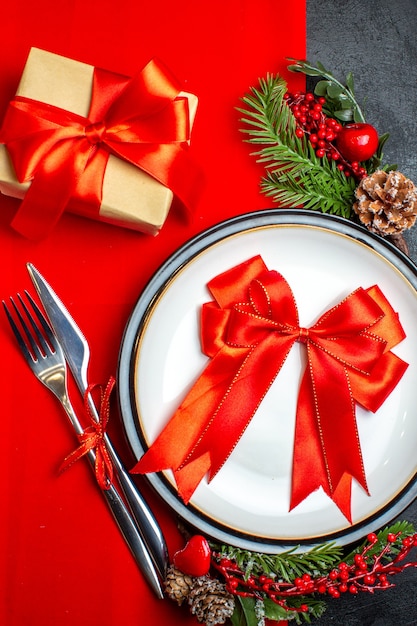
(248,332)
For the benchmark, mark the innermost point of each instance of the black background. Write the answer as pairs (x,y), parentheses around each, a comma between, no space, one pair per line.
(377,41)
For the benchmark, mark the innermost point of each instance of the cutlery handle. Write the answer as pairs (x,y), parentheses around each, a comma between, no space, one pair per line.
(133,539)
(147,525)
(122,516)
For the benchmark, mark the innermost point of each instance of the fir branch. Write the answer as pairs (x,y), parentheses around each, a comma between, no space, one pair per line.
(310,191)
(294,174)
(286,585)
(286,565)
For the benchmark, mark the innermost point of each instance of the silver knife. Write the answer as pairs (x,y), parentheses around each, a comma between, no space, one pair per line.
(77,354)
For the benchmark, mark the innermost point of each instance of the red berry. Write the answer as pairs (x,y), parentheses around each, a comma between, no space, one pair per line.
(357,142)
(407,542)
(369,579)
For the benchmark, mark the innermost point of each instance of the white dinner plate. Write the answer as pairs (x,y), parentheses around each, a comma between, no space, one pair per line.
(323,258)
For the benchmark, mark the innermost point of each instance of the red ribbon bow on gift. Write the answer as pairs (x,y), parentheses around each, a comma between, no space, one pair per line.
(248,332)
(141,120)
(93,437)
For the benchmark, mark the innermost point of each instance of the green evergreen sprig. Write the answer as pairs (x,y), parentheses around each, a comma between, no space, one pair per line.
(295,176)
(285,575)
(285,565)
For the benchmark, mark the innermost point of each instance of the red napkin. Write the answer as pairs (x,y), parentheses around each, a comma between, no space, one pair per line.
(63,559)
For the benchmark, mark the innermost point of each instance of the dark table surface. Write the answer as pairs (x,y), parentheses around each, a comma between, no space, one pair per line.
(377,42)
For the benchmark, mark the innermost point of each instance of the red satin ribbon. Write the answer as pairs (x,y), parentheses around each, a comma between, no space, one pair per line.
(141,120)
(93,437)
(248,332)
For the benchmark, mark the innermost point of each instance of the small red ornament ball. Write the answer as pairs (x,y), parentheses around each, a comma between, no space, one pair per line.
(357,142)
(195,558)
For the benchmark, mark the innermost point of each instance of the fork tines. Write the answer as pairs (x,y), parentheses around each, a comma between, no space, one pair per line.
(32,350)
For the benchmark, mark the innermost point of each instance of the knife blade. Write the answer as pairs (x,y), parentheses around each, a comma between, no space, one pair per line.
(77,354)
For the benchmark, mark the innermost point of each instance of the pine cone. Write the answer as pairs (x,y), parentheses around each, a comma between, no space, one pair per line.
(178,585)
(386,203)
(210,602)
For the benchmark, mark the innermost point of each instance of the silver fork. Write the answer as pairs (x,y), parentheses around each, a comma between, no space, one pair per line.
(46,359)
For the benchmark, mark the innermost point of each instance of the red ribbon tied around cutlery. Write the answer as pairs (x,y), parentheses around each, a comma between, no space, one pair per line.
(248,331)
(93,437)
(140,120)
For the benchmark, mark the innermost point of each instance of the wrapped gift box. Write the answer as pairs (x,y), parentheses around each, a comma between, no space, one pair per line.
(131,197)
